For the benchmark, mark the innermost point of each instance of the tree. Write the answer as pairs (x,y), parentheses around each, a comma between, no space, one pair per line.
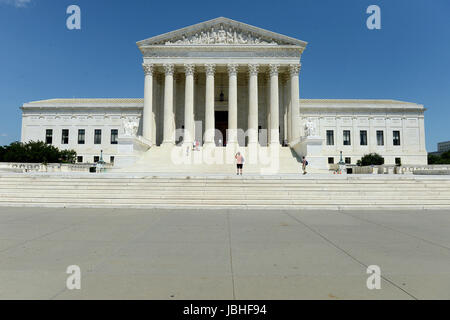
(35,152)
(442,159)
(371,159)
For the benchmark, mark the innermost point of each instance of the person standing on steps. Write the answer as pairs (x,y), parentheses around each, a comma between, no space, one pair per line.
(239,163)
(304,164)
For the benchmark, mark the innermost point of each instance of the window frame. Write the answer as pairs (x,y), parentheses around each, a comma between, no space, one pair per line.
(331,136)
(116,136)
(83,135)
(65,136)
(396,140)
(382,138)
(361,138)
(349,138)
(47,136)
(99,136)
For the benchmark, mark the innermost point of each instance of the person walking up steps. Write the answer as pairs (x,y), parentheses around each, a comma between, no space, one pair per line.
(304,164)
(239,163)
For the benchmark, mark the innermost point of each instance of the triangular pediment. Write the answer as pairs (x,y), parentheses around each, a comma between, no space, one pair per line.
(221,31)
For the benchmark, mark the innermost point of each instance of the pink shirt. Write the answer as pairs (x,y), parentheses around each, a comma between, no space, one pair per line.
(239,159)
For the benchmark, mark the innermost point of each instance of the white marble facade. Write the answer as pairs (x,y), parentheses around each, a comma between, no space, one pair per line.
(226,75)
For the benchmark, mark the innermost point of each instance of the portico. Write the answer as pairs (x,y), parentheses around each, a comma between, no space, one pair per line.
(221,65)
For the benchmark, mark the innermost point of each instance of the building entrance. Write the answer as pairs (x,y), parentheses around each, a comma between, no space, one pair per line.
(221,125)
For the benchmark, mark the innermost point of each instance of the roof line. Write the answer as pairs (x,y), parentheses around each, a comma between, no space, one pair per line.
(217,21)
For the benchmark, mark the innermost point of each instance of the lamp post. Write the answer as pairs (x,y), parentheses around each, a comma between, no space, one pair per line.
(100,163)
(341,164)
(341,161)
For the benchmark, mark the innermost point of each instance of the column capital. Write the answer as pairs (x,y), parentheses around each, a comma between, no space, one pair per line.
(210,69)
(294,69)
(253,69)
(169,69)
(273,69)
(148,68)
(189,69)
(232,69)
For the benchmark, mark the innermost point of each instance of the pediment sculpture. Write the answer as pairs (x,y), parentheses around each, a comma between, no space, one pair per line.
(221,35)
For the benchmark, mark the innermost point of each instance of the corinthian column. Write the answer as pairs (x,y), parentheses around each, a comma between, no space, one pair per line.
(232,105)
(274,105)
(209,105)
(253,105)
(169,130)
(189,105)
(294,70)
(147,115)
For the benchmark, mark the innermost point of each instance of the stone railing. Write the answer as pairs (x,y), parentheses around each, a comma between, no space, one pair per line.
(403,169)
(52,167)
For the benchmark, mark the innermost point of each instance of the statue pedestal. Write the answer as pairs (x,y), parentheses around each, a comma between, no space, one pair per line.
(311,148)
(129,149)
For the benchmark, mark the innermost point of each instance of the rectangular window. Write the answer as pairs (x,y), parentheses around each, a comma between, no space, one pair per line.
(363,137)
(49,136)
(97,136)
(347,140)
(330,138)
(380,138)
(330,160)
(81,136)
(96,159)
(111,159)
(65,136)
(396,138)
(398,161)
(80,159)
(114,136)
(348,160)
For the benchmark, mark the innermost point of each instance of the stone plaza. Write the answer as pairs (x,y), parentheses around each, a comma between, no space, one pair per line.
(223,254)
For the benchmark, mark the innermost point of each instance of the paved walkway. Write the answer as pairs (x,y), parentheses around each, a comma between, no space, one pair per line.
(200,254)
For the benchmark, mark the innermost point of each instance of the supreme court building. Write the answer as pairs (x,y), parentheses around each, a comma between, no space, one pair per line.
(227,85)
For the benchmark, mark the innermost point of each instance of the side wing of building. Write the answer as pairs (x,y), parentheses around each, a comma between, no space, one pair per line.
(393,129)
(87,126)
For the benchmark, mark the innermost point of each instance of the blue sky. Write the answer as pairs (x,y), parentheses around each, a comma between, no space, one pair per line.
(408,59)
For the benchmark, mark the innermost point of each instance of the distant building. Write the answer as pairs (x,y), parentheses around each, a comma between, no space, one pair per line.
(443,146)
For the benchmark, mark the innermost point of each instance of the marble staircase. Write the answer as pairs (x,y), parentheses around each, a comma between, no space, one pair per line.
(314,191)
(217,160)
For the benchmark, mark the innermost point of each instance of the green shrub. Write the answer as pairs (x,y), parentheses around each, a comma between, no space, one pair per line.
(442,159)
(35,152)
(371,159)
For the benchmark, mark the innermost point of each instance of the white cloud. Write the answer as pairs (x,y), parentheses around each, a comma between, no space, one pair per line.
(3,135)
(16,3)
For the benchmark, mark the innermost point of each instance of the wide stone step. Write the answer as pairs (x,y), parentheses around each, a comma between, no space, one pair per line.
(163,191)
(224,182)
(290,192)
(228,190)
(227,202)
(190,191)
(229,194)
